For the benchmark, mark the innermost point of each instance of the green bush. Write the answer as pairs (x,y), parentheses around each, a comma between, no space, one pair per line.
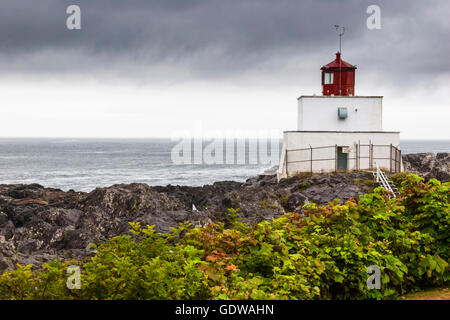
(321,253)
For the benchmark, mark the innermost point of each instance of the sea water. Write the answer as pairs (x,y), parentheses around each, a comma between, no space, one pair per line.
(84,164)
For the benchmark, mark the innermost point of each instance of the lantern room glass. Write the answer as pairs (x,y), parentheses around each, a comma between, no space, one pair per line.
(328,78)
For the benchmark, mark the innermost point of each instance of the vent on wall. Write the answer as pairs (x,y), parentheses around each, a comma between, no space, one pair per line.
(342,113)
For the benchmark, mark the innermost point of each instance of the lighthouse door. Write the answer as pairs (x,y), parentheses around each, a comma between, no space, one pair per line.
(341,159)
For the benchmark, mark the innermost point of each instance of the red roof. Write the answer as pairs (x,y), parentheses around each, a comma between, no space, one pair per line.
(338,63)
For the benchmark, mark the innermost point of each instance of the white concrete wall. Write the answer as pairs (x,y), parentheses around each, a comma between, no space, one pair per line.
(299,161)
(321,113)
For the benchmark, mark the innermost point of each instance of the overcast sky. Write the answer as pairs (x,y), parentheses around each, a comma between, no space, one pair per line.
(150,68)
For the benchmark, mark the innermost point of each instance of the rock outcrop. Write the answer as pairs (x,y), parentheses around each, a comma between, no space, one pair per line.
(429,165)
(38,224)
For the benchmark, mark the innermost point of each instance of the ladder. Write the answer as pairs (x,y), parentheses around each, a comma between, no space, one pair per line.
(383,181)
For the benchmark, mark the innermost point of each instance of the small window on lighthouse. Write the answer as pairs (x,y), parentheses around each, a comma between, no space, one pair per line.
(328,78)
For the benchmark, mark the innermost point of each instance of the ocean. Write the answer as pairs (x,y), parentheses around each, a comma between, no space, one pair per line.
(84,164)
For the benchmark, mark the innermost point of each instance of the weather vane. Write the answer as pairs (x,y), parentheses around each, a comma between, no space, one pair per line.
(340,30)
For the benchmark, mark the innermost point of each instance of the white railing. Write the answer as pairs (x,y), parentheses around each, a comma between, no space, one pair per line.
(382,179)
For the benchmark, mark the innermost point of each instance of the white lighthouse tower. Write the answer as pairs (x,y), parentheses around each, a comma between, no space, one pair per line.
(338,130)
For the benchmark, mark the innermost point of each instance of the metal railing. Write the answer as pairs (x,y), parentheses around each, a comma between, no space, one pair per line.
(382,179)
(311,156)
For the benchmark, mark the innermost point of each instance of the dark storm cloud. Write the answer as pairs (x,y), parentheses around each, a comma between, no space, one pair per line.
(218,38)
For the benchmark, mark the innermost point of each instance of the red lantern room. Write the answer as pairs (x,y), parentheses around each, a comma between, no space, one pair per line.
(338,78)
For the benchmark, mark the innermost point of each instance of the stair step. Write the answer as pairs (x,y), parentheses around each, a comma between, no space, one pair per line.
(390,184)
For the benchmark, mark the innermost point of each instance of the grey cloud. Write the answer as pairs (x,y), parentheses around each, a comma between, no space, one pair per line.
(219,38)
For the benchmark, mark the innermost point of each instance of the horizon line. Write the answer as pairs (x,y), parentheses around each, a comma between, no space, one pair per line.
(177,138)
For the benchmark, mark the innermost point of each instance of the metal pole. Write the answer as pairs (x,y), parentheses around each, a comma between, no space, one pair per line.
(286,163)
(356,156)
(340,69)
(395,159)
(390,159)
(371,147)
(311,159)
(359,154)
(341,33)
(335,157)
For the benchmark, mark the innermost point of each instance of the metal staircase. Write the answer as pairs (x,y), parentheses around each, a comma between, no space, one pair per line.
(384,182)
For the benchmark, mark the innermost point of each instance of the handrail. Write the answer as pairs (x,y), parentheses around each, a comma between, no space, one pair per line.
(381,178)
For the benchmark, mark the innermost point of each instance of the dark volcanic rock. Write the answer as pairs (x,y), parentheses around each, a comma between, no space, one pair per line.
(38,224)
(429,165)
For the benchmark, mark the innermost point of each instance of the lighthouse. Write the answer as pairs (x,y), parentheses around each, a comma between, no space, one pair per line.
(339,130)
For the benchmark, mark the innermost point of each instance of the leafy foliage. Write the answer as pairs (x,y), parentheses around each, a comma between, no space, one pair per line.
(321,253)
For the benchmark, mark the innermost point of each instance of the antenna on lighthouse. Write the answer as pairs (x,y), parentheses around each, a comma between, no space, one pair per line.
(340,30)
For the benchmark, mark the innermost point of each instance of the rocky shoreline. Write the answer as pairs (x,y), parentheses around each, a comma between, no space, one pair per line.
(38,224)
